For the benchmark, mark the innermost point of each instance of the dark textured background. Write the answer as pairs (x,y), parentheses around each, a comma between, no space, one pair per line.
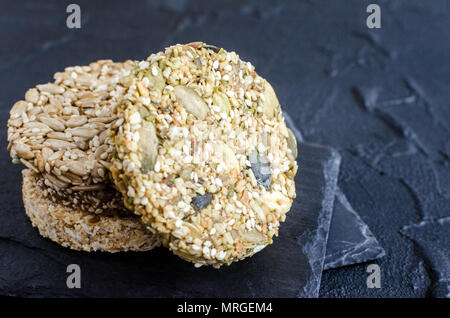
(381,97)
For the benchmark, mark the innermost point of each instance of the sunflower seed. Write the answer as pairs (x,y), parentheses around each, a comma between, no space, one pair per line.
(76,121)
(53,123)
(57,144)
(77,168)
(18,109)
(55,181)
(51,88)
(23,151)
(58,135)
(92,187)
(32,95)
(29,165)
(83,132)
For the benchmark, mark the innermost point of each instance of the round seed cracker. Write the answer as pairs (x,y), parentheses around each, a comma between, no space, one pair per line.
(79,230)
(62,129)
(203,154)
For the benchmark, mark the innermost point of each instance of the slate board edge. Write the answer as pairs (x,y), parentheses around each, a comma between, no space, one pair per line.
(366,251)
(331,172)
(371,247)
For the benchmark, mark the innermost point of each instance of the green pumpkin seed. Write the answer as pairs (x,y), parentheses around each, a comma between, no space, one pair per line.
(191,101)
(148,146)
(254,237)
(198,62)
(292,143)
(143,112)
(212,48)
(157,81)
(221,100)
(270,103)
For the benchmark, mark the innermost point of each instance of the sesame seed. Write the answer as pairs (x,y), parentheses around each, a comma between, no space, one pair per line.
(221,255)
(154,70)
(131,192)
(143,65)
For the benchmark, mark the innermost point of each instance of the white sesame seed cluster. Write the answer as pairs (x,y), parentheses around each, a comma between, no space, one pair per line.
(203,153)
(62,131)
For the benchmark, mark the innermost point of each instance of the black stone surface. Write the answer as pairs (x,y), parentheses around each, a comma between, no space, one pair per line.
(432,238)
(378,96)
(292,267)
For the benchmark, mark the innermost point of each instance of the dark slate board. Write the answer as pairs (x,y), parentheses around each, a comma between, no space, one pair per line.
(291,267)
(350,240)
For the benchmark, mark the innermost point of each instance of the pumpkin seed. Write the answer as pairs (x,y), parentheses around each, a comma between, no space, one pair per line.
(143,112)
(228,157)
(156,80)
(259,211)
(212,48)
(198,62)
(254,237)
(191,101)
(292,143)
(221,100)
(194,231)
(270,103)
(148,146)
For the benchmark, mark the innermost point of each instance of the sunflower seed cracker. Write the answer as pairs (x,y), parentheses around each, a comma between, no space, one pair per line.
(62,130)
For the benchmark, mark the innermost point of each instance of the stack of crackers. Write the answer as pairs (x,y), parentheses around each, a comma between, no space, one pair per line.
(188,149)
